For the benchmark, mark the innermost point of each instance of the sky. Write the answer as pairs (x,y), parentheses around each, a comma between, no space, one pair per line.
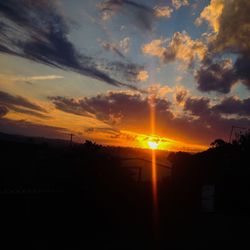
(96,69)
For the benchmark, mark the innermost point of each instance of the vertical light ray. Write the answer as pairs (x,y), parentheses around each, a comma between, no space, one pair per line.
(154,167)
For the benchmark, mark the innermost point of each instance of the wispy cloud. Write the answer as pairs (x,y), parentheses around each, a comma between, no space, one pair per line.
(32,129)
(21,105)
(140,14)
(24,34)
(31,78)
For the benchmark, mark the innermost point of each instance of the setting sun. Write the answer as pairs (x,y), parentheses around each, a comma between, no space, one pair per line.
(153,144)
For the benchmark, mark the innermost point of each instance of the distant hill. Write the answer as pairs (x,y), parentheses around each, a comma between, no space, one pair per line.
(34,140)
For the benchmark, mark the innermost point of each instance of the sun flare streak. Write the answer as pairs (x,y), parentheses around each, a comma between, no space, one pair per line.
(153,145)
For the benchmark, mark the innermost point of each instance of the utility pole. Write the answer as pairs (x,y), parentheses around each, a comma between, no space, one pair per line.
(231,132)
(71,140)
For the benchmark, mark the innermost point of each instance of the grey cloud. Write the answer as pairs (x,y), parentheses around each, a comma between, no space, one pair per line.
(36,30)
(181,95)
(112,47)
(128,71)
(234,32)
(242,69)
(233,37)
(197,106)
(231,105)
(140,14)
(112,108)
(218,76)
(77,107)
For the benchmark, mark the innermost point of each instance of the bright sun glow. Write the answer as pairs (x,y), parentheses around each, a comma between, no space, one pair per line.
(153,144)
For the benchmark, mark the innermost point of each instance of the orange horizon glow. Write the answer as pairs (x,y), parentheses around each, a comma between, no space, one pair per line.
(127,138)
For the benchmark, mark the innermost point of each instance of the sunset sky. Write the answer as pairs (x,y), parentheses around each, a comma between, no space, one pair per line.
(92,67)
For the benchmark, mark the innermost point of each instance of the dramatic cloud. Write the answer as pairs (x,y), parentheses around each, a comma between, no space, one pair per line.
(216,120)
(233,105)
(180,47)
(180,95)
(73,106)
(242,69)
(211,14)
(219,76)
(198,106)
(163,11)
(179,3)
(142,76)
(233,33)
(113,107)
(37,31)
(200,122)
(141,15)
(154,48)
(230,21)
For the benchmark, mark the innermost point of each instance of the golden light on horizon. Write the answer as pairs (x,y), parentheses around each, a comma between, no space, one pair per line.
(153,145)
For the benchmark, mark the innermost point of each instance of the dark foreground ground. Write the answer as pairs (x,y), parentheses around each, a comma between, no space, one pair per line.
(81,198)
(63,221)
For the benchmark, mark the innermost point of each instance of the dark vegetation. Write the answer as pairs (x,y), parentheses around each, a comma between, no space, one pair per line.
(79,196)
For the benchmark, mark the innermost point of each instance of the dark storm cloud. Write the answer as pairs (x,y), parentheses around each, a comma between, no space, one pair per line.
(70,105)
(233,37)
(141,15)
(216,76)
(37,31)
(242,69)
(234,32)
(113,108)
(210,122)
(181,95)
(30,129)
(231,105)
(197,106)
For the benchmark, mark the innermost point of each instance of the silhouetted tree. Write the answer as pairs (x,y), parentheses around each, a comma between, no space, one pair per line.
(217,143)
(91,145)
(244,141)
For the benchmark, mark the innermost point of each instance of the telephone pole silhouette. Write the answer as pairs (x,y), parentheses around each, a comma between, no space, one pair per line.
(71,140)
(231,132)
